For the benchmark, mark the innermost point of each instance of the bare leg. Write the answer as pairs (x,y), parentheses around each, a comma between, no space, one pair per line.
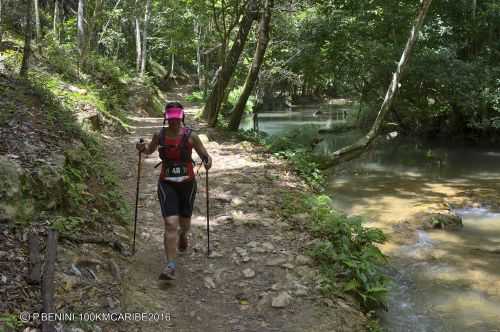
(185,225)
(170,238)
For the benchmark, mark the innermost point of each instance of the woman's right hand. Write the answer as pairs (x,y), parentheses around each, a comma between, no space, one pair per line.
(141,146)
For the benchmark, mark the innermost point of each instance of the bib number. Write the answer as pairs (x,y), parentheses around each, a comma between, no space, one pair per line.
(176,172)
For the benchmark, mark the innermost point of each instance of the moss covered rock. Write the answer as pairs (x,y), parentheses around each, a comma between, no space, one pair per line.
(14,205)
(448,221)
(47,186)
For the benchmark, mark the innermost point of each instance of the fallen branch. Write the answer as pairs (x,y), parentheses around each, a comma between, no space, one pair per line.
(114,244)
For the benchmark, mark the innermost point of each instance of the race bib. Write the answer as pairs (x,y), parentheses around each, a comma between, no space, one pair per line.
(176,172)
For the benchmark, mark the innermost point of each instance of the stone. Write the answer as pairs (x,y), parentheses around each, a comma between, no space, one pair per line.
(268,246)
(241,251)
(288,266)
(249,273)
(300,290)
(215,254)
(209,283)
(13,205)
(276,261)
(252,244)
(222,219)
(303,260)
(282,300)
(236,201)
(445,221)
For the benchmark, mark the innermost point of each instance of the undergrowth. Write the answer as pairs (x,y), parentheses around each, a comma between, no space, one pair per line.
(296,147)
(346,250)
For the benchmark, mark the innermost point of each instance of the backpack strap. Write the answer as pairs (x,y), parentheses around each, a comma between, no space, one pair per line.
(161,145)
(183,146)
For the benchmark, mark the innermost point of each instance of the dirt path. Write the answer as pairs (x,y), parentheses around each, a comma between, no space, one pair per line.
(257,257)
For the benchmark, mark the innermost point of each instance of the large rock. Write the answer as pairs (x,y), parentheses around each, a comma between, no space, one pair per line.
(447,221)
(282,300)
(48,185)
(13,206)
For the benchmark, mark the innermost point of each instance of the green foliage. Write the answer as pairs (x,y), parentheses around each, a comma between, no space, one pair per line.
(233,97)
(91,183)
(9,322)
(296,146)
(12,60)
(67,225)
(196,97)
(346,251)
(254,136)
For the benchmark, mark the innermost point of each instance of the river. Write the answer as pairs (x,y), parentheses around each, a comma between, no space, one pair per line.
(442,280)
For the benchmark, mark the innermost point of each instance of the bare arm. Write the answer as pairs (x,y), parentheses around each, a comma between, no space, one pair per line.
(151,146)
(201,151)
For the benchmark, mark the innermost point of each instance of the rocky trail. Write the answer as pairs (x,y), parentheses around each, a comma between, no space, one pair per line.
(257,277)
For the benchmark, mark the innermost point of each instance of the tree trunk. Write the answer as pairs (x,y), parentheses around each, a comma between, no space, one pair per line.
(172,57)
(147,15)
(37,23)
(1,22)
(81,30)
(55,27)
(93,24)
(356,149)
(214,101)
(197,31)
(138,44)
(253,73)
(27,40)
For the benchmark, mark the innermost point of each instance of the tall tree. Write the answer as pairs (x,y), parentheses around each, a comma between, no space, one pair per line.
(224,73)
(1,22)
(37,23)
(138,50)
(253,73)
(81,30)
(144,55)
(55,26)
(27,40)
(198,34)
(356,149)
(93,25)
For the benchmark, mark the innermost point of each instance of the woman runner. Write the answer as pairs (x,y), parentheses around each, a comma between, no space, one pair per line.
(177,183)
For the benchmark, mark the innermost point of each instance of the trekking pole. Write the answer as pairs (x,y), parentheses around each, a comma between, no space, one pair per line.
(208,215)
(137,195)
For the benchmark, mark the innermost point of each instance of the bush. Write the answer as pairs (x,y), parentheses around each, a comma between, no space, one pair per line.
(346,251)
(196,97)
(296,146)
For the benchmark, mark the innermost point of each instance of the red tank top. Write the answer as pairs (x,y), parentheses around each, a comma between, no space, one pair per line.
(177,165)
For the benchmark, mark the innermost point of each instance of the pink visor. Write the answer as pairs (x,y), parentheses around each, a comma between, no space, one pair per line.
(174,113)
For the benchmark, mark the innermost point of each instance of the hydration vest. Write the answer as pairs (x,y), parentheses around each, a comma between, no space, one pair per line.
(175,154)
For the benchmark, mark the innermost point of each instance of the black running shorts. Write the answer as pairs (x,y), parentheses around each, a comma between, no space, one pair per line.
(177,198)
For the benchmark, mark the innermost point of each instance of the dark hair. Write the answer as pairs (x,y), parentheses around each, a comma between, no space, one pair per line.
(171,105)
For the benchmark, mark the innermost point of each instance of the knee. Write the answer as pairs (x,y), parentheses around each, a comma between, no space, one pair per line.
(171,224)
